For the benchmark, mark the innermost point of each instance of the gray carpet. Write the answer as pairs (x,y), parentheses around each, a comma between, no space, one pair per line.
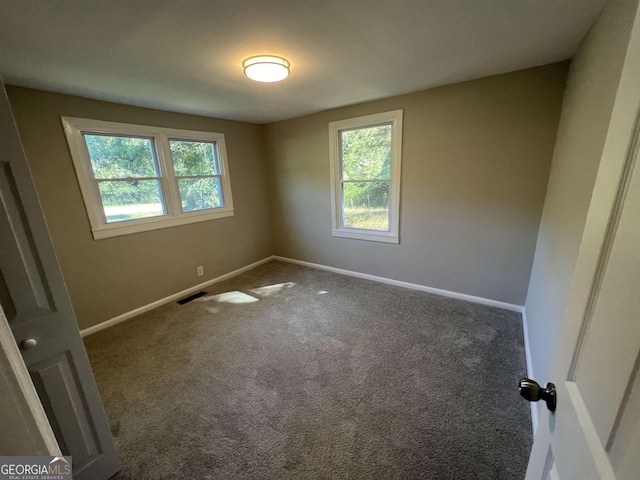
(319,376)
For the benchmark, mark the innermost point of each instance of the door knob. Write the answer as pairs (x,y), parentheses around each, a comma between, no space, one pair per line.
(28,344)
(532,392)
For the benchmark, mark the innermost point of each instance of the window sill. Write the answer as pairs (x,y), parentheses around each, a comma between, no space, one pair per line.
(156,223)
(369,235)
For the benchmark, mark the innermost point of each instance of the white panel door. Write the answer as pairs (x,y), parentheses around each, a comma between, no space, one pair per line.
(595,430)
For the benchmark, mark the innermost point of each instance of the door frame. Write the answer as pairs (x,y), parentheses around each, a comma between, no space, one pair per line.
(14,377)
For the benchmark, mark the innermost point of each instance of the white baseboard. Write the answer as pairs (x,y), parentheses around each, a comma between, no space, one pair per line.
(170,298)
(527,352)
(412,286)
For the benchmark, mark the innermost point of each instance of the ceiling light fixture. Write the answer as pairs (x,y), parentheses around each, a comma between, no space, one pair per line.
(266,68)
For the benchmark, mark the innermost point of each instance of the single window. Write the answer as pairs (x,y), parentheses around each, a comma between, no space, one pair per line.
(136,178)
(127,175)
(365,176)
(199,180)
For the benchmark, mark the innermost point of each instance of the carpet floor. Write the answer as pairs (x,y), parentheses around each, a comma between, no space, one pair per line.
(288,372)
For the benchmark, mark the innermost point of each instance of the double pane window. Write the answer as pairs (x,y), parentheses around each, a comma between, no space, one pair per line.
(136,178)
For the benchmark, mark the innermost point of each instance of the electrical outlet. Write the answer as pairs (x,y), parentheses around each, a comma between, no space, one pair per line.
(200,271)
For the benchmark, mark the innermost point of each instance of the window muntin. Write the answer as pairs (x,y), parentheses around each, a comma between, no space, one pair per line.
(135,178)
(365,177)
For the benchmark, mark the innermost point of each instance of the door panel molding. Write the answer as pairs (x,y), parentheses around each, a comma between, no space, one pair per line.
(633,382)
(597,450)
(607,245)
(78,433)
(24,280)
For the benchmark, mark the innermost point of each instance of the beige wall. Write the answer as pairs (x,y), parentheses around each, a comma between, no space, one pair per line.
(106,278)
(475,163)
(591,88)
(476,158)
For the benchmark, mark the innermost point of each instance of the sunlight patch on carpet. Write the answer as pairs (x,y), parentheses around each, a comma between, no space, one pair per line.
(272,289)
(230,297)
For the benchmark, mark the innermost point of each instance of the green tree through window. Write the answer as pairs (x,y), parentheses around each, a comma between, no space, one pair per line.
(127,176)
(366,157)
(137,178)
(198,173)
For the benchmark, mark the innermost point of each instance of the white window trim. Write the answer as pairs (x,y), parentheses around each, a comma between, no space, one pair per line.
(74,128)
(395,119)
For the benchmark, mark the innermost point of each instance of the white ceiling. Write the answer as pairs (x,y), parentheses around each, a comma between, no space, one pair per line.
(186,55)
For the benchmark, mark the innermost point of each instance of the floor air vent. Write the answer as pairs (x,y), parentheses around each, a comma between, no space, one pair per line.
(191,297)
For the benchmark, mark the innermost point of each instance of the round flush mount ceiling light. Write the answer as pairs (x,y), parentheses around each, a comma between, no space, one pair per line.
(266,68)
